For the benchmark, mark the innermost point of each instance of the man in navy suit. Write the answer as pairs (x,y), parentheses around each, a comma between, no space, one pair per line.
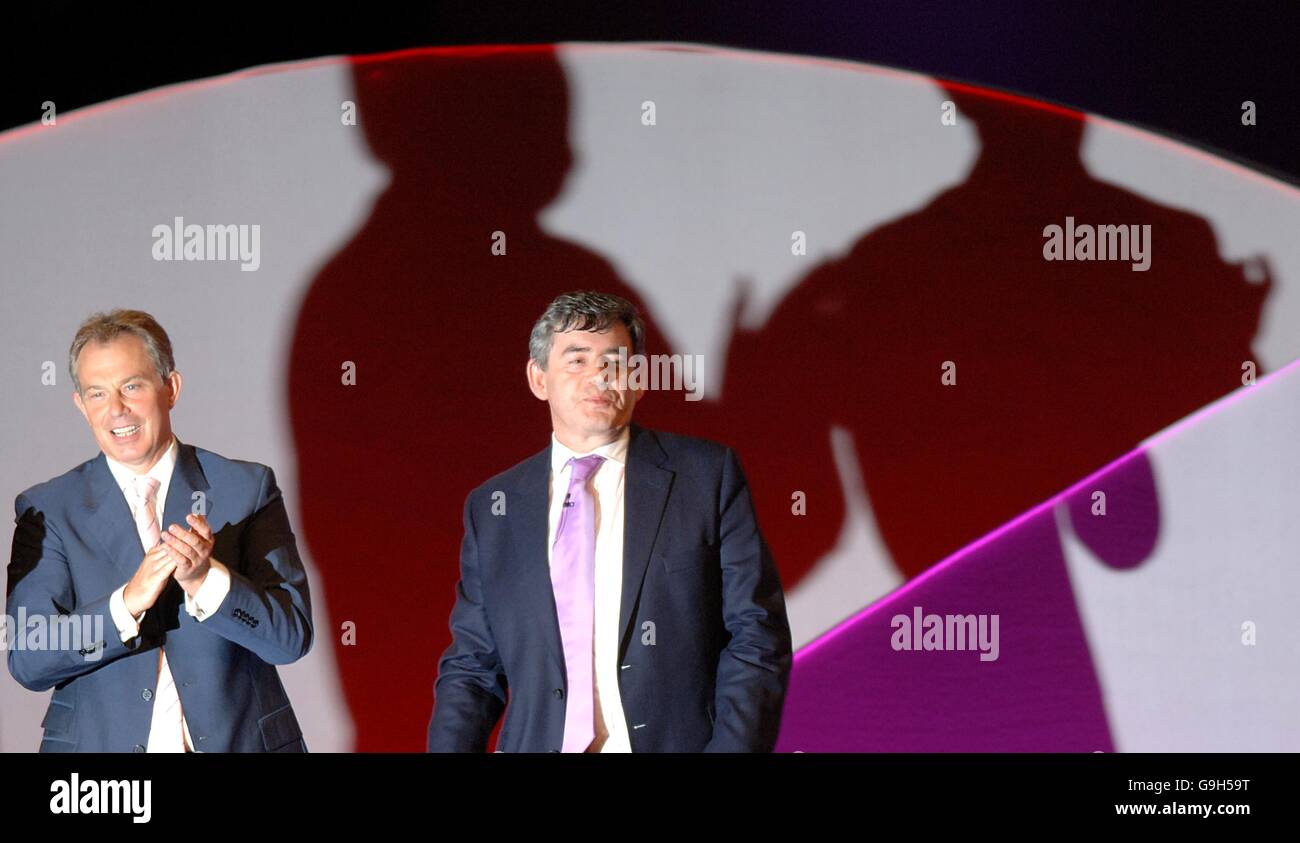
(178,565)
(615,593)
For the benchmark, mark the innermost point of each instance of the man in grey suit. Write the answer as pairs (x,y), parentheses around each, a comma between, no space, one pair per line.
(175,566)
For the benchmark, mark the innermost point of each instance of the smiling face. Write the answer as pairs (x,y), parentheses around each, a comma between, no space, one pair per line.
(125,402)
(580,382)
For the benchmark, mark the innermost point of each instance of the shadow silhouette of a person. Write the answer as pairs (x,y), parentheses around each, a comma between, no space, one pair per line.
(1059,367)
(436,325)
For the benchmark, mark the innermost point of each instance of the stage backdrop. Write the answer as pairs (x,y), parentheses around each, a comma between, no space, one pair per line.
(859,257)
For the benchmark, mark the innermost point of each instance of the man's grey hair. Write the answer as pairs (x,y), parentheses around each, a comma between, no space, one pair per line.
(584,310)
(106,327)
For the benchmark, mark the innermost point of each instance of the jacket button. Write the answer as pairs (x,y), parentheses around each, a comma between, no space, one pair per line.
(559,693)
(146,695)
(554,750)
(138,748)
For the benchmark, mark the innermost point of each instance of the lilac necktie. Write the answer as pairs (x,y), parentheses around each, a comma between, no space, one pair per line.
(573,580)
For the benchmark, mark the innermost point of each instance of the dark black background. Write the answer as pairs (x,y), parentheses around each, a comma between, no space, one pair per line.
(729,796)
(1182,69)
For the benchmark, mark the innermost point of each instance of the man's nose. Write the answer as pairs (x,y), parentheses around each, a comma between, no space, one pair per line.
(116,406)
(603,378)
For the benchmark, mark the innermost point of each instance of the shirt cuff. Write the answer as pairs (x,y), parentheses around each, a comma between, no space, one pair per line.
(206,601)
(127,626)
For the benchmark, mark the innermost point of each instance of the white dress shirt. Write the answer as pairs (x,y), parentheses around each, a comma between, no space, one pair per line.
(215,585)
(607,482)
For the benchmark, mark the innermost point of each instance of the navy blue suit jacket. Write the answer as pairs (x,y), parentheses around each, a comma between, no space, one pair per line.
(704,647)
(75,543)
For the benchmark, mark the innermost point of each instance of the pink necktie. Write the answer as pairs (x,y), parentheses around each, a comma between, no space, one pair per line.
(167,729)
(573,580)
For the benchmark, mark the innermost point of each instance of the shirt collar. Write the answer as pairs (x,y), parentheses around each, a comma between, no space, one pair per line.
(615,451)
(161,471)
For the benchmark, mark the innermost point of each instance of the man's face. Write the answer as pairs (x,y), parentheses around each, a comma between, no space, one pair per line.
(126,404)
(581,383)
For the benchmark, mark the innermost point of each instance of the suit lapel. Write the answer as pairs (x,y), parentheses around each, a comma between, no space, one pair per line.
(645,491)
(187,478)
(110,518)
(530,579)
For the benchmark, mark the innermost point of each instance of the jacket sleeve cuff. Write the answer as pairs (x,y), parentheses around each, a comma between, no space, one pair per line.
(206,601)
(127,626)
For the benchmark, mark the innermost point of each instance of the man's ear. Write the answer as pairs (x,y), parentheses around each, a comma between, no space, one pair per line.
(76,399)
(536,379)
(174,384)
